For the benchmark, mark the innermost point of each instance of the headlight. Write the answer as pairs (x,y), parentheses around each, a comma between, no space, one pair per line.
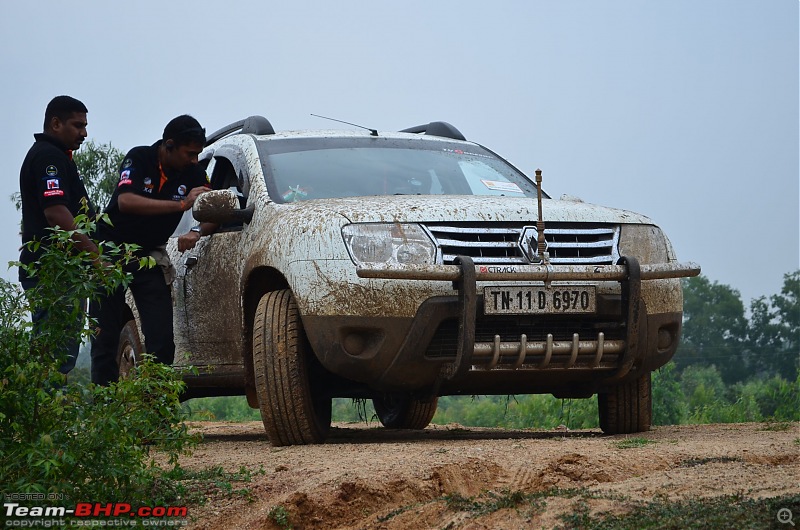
(378,243)
(644,242)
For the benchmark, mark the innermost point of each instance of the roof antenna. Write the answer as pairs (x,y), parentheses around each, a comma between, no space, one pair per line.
(372,132)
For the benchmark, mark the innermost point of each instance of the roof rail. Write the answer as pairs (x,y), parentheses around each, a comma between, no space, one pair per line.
(437,128)
(250,125)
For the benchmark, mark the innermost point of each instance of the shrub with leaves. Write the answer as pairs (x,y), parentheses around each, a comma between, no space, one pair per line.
(89,443)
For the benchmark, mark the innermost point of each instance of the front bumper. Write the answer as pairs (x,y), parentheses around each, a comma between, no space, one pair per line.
(404,354)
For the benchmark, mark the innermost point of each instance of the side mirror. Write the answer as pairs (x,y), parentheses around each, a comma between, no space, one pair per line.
(220,207)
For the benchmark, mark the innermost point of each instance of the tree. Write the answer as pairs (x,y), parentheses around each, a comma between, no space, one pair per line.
(774,331)
(714,328)
(99,164)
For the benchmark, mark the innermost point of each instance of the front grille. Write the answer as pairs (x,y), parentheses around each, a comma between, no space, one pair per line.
(514,243)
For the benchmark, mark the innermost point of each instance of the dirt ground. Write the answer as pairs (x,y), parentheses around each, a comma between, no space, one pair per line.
(367,477)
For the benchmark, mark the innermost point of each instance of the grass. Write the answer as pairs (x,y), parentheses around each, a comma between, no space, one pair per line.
(694,462)
(197,486)
(631,443)
(777,426)
(280,517)
(491,501)
(729,511)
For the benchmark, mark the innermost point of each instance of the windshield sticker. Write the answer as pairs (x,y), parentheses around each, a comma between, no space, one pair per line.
(497,185)
(460,152)
(295,194)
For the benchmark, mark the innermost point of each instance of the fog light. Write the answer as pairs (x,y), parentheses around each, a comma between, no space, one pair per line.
(664,338)
(354,344)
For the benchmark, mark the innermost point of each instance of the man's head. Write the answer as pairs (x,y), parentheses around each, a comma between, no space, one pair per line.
(183,139)
(65,120)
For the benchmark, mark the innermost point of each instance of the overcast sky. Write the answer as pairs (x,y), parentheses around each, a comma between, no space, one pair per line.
(683,110)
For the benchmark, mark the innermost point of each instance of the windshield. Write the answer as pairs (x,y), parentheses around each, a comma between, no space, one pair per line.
(316,168)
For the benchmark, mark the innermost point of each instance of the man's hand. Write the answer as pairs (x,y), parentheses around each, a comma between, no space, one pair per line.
(188,202)
(188,240)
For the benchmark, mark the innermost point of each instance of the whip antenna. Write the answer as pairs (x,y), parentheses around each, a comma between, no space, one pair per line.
(372,132)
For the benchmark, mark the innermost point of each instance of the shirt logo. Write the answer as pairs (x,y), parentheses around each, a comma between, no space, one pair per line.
(127,163)
(125,178)
(51,171)
(52,184)
(182,189)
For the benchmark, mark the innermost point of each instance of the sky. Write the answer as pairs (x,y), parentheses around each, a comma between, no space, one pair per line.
(683,110)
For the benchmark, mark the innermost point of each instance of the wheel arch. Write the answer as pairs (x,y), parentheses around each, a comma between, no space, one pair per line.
(260,281)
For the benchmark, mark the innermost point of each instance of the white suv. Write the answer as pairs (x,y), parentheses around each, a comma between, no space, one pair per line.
(404,266)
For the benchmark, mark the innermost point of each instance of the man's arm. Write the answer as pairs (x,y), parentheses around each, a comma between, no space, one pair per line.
(136,204)
(60,216)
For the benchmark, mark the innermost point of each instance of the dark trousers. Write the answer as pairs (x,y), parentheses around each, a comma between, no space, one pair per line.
(72,346)
(154,302)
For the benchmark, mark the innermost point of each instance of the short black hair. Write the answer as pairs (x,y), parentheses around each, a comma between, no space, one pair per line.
(184,130)
(62,107)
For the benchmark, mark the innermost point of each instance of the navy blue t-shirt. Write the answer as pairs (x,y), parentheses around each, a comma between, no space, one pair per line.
(48,177)
(140,173)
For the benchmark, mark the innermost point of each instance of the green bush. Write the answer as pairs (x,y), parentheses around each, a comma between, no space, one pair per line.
(224,408)
(82,441)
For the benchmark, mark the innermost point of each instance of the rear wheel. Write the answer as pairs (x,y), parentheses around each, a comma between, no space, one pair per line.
(627,407)
(129,350)
(291,411)
(400,412)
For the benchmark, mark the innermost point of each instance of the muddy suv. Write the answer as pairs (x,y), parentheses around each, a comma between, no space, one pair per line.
(404,266)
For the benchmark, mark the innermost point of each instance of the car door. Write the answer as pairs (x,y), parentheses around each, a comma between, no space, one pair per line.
(211,295)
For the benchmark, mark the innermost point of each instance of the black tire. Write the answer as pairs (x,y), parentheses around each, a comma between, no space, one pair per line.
(404,412)
(291,412)
(129,350)
(627,408)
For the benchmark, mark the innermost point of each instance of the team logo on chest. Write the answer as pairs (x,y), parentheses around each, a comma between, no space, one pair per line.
(182,190)
(148,185)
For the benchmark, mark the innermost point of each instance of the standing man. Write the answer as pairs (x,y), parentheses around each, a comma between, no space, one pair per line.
(157,184)
(52,193)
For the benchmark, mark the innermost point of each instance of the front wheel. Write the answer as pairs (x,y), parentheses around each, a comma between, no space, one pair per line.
(627,407)
(292,412)
(399,412)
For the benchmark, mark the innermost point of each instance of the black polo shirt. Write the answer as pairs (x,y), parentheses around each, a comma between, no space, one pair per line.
(140,173)
(48,177)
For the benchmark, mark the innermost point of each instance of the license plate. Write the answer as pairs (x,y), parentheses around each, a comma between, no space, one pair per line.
(523,300)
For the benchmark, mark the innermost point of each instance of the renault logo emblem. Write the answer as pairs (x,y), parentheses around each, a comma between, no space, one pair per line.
(528,243)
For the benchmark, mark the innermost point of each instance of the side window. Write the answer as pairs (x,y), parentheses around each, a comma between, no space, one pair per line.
(230,172)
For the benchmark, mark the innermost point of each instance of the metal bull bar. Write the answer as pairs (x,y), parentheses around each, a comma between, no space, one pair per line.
(465,275)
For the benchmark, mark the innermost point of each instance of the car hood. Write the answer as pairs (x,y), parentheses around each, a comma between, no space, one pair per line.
(454,208)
